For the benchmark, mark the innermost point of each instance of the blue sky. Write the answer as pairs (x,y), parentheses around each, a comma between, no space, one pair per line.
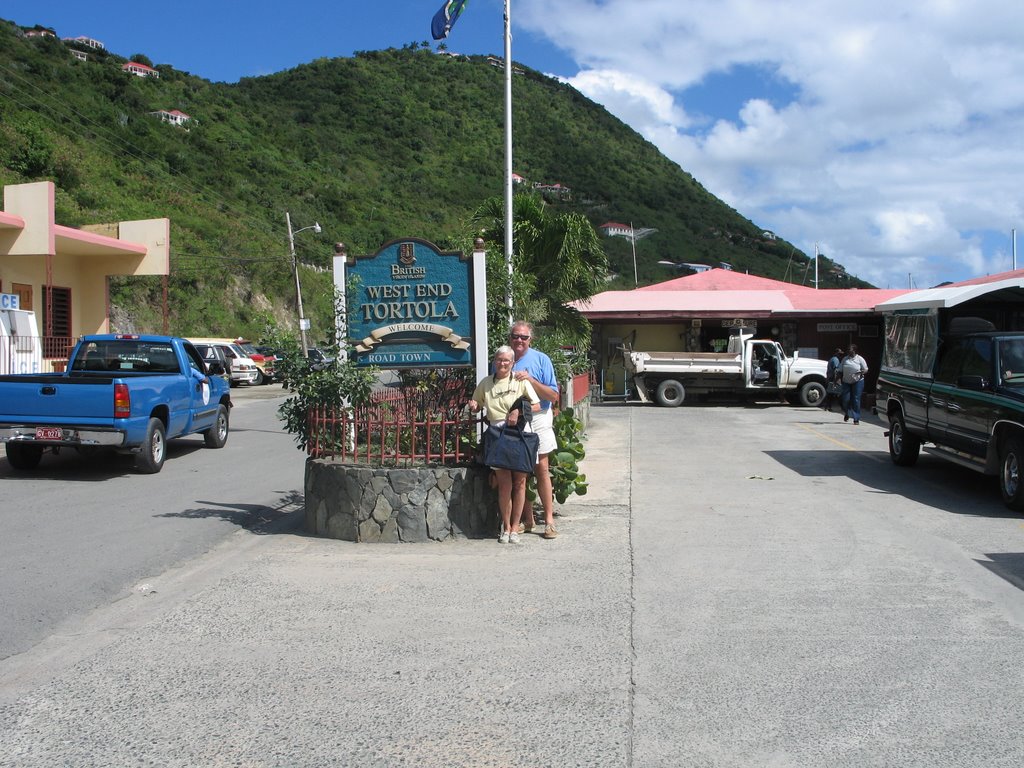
(889,135)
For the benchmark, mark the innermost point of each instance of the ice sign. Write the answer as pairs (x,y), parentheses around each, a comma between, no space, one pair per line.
(9,301)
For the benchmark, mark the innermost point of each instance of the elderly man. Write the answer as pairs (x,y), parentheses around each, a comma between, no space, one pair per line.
(536,368)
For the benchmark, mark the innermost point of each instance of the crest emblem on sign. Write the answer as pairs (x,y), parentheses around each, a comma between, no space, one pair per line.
(406,254)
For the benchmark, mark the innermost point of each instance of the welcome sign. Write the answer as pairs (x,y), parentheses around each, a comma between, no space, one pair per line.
(413,306)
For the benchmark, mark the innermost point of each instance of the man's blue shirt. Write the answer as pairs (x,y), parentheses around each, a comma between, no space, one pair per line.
(539,366)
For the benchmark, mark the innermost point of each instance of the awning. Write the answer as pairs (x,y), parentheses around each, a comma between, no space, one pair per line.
(1010,290)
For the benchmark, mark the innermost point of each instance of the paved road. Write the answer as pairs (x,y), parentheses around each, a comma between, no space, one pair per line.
(78,533)
(742,587)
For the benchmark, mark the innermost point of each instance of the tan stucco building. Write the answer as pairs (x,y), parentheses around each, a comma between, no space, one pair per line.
(61,273)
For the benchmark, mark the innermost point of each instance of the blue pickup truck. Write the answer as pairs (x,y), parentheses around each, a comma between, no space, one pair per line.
(130,393)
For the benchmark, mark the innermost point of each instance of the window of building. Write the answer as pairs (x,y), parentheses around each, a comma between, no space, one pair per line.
(57,323)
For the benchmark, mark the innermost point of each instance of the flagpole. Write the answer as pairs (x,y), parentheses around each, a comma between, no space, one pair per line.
(508,156)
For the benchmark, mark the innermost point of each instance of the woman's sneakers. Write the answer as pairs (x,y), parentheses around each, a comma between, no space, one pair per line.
(504,538)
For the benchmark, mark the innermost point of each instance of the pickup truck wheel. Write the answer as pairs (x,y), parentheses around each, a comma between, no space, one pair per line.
(1011,481)
(904,448)
(150,459)
(217,435)
(670,393)
(260,378)
(812,393)
(24,457)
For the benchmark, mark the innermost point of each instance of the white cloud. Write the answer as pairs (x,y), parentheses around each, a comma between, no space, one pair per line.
(903,143)
(644,103)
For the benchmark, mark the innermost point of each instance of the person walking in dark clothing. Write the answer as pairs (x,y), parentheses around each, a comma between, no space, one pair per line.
(833,380)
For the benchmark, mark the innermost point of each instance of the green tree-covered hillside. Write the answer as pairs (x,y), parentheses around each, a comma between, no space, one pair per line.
(386,144)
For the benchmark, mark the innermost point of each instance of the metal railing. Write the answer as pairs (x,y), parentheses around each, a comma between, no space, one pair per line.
(57,347)
(399,427)
(34,354)
(377,437)
(405,427)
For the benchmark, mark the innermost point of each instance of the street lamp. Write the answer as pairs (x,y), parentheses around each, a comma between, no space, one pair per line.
(303,322)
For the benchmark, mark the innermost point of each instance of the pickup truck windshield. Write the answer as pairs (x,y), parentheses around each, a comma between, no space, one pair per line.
(126,356)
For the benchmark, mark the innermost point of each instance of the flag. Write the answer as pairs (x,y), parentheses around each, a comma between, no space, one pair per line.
(445,18)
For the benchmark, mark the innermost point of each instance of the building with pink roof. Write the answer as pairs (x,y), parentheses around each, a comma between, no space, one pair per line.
(696,313)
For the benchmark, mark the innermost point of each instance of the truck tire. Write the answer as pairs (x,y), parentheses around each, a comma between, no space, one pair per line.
(24,457)
(812,393)
(904,448)
(217,435)
(670,393)
(1011,467)
(260,378)
(150,458)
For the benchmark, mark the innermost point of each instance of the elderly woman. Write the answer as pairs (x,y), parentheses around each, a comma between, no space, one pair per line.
(498,395)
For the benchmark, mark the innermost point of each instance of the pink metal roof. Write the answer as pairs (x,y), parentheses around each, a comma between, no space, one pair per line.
(724,292)
(78,242)
(10,221)
(718,279)
(988,278)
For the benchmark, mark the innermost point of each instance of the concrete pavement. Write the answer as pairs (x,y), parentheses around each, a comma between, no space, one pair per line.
(286,650)
(742,586)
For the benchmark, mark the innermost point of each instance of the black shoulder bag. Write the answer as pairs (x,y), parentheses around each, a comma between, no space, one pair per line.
(508,447)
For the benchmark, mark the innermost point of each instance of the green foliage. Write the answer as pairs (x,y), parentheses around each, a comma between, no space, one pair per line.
(563,462)
(566,478)
(343,383)
(557,258)
(392,143)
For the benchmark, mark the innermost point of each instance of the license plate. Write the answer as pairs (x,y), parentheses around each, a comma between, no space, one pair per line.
(49,433)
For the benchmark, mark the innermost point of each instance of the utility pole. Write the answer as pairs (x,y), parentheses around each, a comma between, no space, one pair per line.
(303,322)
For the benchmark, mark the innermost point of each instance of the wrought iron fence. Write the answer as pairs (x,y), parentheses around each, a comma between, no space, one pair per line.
(377,437)
(34,354)
(402,426)
(58,347)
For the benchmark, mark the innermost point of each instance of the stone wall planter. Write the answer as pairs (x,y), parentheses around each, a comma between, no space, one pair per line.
(355,502)
(370,504)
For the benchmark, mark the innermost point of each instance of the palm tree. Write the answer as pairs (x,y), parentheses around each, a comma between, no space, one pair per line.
(557,258)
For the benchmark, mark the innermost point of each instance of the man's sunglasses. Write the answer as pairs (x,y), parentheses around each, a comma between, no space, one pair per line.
(520,336)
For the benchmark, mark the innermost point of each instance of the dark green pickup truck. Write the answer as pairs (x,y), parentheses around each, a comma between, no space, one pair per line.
(961,391)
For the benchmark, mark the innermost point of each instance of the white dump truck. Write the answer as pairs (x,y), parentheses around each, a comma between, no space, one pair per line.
(750,367)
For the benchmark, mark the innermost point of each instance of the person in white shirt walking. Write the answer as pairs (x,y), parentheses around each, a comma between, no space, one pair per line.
(854,369)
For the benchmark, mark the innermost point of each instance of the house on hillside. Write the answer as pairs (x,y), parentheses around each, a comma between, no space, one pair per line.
(40,32)
(553,190)
(62,274)
(174,116)
(615,229)
(86,41)
(494,61)
(139,70)
(80,55)
(696,313)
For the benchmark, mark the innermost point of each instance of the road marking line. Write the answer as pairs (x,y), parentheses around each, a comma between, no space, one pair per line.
(840,443)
